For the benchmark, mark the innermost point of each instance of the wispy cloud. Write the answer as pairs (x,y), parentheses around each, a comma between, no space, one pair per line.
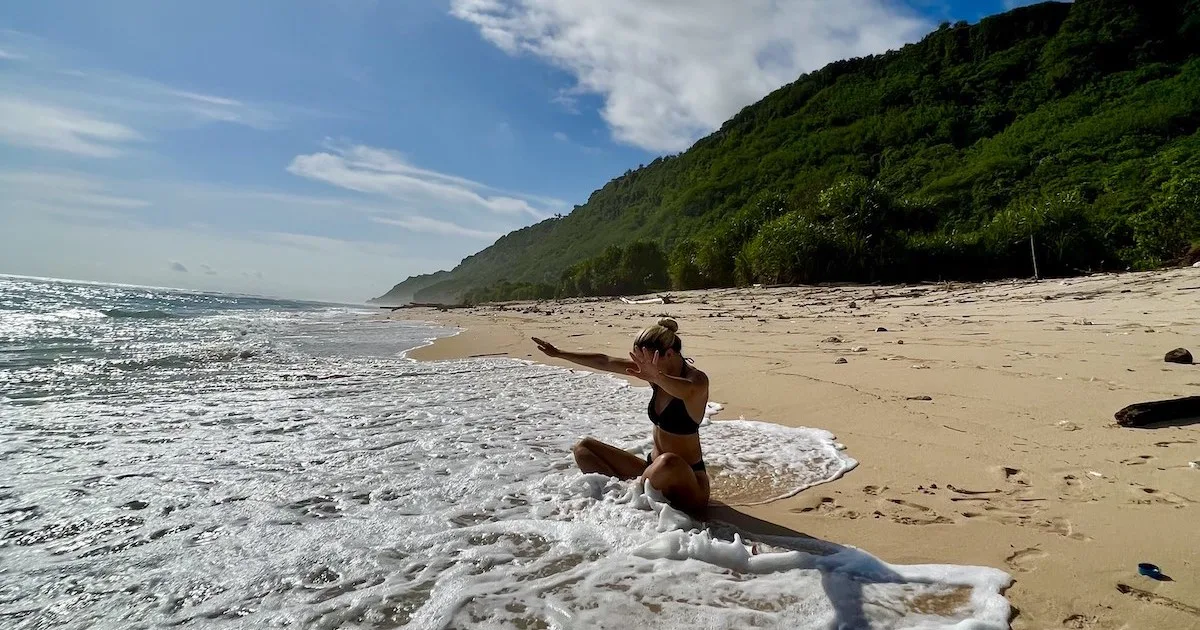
(51,103)
(435,226)
(377,171)
(670,72)
(31,124)
(151,103)
(178,267)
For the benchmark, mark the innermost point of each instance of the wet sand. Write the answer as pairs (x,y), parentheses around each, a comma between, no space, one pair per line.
(982,418)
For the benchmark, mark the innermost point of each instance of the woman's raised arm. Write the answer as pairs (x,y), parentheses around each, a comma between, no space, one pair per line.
(595,361)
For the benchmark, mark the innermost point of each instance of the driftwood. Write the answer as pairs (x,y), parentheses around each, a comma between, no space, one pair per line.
(440,307)
(1176,411)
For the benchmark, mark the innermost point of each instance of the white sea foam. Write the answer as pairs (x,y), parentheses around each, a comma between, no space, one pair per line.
(326,482)
(432,495)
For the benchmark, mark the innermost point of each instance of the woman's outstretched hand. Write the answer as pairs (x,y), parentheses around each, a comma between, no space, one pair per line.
(546,347)
(645,365)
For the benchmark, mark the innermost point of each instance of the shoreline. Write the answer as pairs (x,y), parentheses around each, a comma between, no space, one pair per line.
(981,418)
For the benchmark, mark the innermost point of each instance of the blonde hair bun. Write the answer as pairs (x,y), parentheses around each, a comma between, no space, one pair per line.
(669,324)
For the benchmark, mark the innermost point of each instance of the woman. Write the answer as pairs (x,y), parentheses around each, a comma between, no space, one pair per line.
(675,467)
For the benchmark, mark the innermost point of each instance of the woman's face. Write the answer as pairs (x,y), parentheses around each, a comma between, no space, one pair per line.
(663,355)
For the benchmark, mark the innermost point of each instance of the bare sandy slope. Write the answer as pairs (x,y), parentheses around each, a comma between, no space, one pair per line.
(1014,461)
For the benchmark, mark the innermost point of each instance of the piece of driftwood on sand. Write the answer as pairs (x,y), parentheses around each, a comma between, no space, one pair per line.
(440,307)
(1173,412)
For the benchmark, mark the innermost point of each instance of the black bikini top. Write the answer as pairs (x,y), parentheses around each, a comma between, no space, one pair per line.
(675,418)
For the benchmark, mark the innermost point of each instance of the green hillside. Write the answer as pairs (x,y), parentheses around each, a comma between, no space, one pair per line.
(1073,124)
(403,293)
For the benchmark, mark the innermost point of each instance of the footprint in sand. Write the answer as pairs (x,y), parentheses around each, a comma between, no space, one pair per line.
(909,513)
(1014,476)
(1153,598)
(1152,496)
(1137,461)
(1005,517)
(1024,560)
(1168,443)
(824,505)
(1080,622)
(1077,488)
(1062,527)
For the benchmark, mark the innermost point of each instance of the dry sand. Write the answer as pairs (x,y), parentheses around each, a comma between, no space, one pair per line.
(1014,461)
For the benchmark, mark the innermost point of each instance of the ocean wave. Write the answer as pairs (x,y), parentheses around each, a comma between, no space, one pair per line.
(188,359)
(119,313)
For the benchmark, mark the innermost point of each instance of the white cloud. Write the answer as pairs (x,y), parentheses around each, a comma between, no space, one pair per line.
(671,71)
(380,172)
(207,99)
(434,226)
(561,137)
(151,103)
(100,106)
(37,125)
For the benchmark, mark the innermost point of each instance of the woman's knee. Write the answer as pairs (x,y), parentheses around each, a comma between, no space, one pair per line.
(665,464)
(584,447)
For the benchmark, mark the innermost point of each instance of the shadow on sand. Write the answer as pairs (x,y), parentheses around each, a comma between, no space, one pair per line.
(844,570)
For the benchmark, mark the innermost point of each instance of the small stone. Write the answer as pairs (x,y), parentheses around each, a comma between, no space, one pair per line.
(899,342)
(920,398)
(859,349)
(136,505)
(1179,355)
(841,361)
(881,329)
(852,305)
(245,354)
(831,340)
(1083,322)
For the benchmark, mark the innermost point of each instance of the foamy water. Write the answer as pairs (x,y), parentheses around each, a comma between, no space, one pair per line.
(248,464)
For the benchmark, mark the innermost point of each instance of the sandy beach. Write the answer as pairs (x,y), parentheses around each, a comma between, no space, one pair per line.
(981,415)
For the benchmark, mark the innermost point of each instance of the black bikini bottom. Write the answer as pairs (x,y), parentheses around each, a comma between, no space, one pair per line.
(698,466)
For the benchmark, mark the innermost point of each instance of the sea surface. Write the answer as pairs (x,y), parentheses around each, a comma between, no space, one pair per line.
(172,459)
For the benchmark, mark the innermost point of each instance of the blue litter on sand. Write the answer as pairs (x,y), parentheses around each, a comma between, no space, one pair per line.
(1150,570)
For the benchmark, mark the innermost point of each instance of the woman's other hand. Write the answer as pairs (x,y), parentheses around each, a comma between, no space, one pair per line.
(547,348)
(645,365)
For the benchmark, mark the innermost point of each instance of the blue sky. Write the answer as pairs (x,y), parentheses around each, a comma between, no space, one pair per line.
(329,148)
